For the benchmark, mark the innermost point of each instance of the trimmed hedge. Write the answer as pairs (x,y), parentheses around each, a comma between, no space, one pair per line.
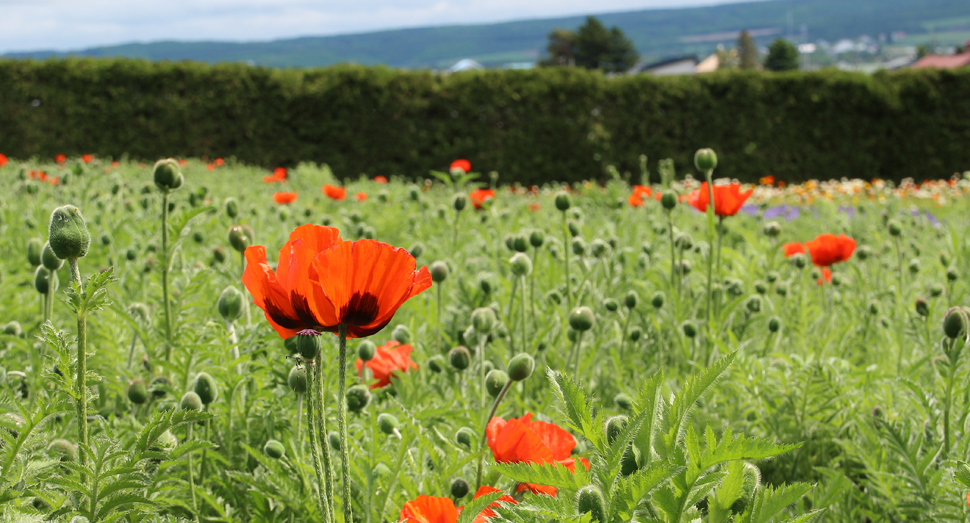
(530,126)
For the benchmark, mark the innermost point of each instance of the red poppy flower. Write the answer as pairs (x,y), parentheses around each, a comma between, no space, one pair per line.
(524,440)
(380,179)
(182,163)
(334,193)
(827,249)
(361,196)
(488,512)
(826,276)
(3,159)
(390,358)
(462,165)
(534,206)
(219,162)
(728,199)
(86,158)
(635,200)
(42,176)
(210,167)
(362,283)
(116,164)
(478,197)
(793,248)
(285,295)
(55,180)
(427,509)
(767,180)
(279,175)
(60,158)
(642,191)
(284,197)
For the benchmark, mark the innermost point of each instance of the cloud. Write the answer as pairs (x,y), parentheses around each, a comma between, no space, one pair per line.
(62,25)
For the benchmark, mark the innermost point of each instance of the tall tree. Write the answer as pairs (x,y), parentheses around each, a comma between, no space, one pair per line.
(748,51)
(561,48)
(600,48)
(782,56)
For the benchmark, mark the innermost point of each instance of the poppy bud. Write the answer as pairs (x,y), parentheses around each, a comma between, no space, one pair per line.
(751,479)
(459,488)
(333,438)
(230,303)
(218,255)
(465,436)
(611,304)
(582,319)
(309,343)
(63,449)
(623,401)
(495,381)
(366,350)
(240,237)
(955,322)
(922,308)
(668,200)
(631,299)
(387,423)
(895,229)
(563,202)
(684,267)
(537,238)
(44,279)
(520,243)
(274,449)
(190,401)
(772,229)
(69,236)
(206,388)
(579,246)
(49,259)
(690,329)
(798,260)
(774,323)
(760,287)
(297,379)
(417,250)
(589,499)
(34,249)
(137,391)
(401,334)
(884,321)
(167,174)
(158,387)
(232,207)
(521,264)
(459,202)
(521,367)
(754,303)
(459,357)
(914,266)
(358,397)
(483,319)
(705,160)
(614,427)
(436,363)
(439,271)
(574,229)
(554,297)
(952,274)
(771,276)
(658,300)
(12,328)
(599,248)
(936,290)
(414,192)
(683,241)
(782,289)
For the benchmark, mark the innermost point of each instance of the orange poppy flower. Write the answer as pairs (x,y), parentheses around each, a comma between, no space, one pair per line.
(3,159)
(86,158)
(635,200)
(728,199)
(642,191)
(462,165)
(55,180)
(114,165)
(826,276)
(334,193)
(380,179)
(478,197)
(279,175)
(60,158)
(428,509)
(782,184)
(361,196)
(390,358)
(524,440)
(534,206)
(361,284)
(793,248)
(210,167)
(488,512)
(182,163)
(42,176)
(285,294)
(284,197)
(827,249)
(219,162)
(767,180)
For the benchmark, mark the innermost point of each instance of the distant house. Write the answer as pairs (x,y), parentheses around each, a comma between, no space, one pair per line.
(668,67)
(708,65)
(940,61)
(465,64)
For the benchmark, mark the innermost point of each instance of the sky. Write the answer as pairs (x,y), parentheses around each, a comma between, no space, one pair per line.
(63,25)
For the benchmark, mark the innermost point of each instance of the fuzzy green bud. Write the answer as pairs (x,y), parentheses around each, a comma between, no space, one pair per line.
(614,427)
(521,264)
(895,229)
(49,259)
(69,235)
(495,381)
(459,202)
(582,319)
(956,321)
(12,328)
(631,299)
(537,238)
(623,401)
(63,449)
(206,387)
(658,299)
(774,323)
(366,350)
(45,280)
(798,260)
(358,397)
(297,379)
(705,160)
(230,303)
(689,328)
(417,250)
(401,334)
(436,364)
(484,319)
(589,499)
(387,423)
(668,200)
(754,303)
(459,488)
(439,271)
(521,367)
(137,391)
(34,249)
(563,201)
(167,174)
(333,438)
(611,304)
(232,207)
(772,229)
(190,401)
(922,308)
(459,357)
(465,436)
(274,449)
(520,243)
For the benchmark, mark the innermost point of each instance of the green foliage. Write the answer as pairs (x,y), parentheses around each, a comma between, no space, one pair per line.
(748,52)
(782,56)
(600,48)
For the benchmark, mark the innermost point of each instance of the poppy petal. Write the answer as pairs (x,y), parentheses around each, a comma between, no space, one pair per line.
(428,509)
(269,294)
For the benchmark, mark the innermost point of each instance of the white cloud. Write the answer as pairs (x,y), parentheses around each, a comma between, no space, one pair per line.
(73,24)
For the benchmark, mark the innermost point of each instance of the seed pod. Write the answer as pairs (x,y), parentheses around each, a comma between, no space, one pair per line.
(465,436)
(366,350)
(402,334)
(206,387)
(274,449)
(190,401)
(439,271)
(635,333)
(623,401)
(614,426)
(484,319)
(34,249)
(241,237)
(436,363)
(955,322)
(772,229)
(668,200)
(45,280)
(49,259)
(459,488)
(611,304)
(69,235)
(521,367)
(459,357)
(563,201)
(631,299)
(387,423)
(459,202)
(521,265)
(582,319)
(358,397)
(895,229)
(309,343)
(333,438)
(690,329)
(495,381)
(297,379)
(705,160)
(589,499)
(658,299)
(230,303)
(774,323)
(167,174)
(537,238)
(417,250)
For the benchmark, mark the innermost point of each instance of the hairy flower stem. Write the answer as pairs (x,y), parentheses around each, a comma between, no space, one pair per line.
(525,286)
(315,449)
(165,268)
(565,254)
(342,423)
(481,370)
(675,289)
(481,447)
(82,388)
(953,355)
(188,438)
(508,315)
(574,353)
(322,434)
(717,263)
(712,230)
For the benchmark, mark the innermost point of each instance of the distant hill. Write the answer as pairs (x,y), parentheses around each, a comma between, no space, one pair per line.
(656,33)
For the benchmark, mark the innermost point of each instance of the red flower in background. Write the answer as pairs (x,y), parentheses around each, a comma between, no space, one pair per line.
(334,193)
(524,440)
(427,509)
(55,180)
(478,197)
(60,158)
(87,158)
(793,248)
(3,159)
(380,179)
(361,196)
(210,167)
(182,163)
(279,175)
(219,162)
(284,197)
(390,358)
(114,165)
(635,200)
(462,165)
(767,180)
(827,249)
(534,206)
(642,191)
(728,199)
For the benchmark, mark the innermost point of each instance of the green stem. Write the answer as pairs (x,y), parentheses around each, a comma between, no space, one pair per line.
(673,257)
(565,253)
(322,434)
(342,422)
(508,315)
(438,318)
(165,268)
(188,438)
(481,370)
(315,450)
(710,259)
(525,286)
(204,454)
(717,266)
(82,389)
(481,446)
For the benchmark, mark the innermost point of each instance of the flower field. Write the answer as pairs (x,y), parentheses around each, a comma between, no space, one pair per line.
(209,341)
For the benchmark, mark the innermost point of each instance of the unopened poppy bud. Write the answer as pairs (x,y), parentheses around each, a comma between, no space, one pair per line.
(574,229)
(218,255)
(521,367)
(623,401)
(465,436)
(771,276)
(537,238)
(914,266)
(955,322)
(495,381)
(520,243)
(751,479)
(521,264)
(459,202)
(754,303)
(599,248)
(230,303)
(668,200)
(309,343)
(563,201)
(635,333)
(69,235)
(579,246)
(167,174)
(952,274)
(611,304)
(922,308)
(690,329)
(760,287)
(798,260)
(705,160)
(774,323)
(240,237)
(366,350)
(459,357)
(436,363)
(439,271)
(631,299)
(333,438)
(582,319)
(137,391)
(782,289)
(387,423)
(658,300)
(772,229)
(895,229)
(63,449)
(884,321)
(459,488)
(417,250)
(34,249)
(358,397)
(589,499)
(509,242)
(554,297)
(684,267)
(190,401)
(12,328)
(936,290)
(45,280)
(863,252)
(484,319)
(297,379)
(683,241)
(401,334)
(614,427)
(49,259)
(206,388)
(232,207)
(274,449)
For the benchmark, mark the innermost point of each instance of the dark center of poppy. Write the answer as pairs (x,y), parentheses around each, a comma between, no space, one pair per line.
(361,310)
(281,318)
